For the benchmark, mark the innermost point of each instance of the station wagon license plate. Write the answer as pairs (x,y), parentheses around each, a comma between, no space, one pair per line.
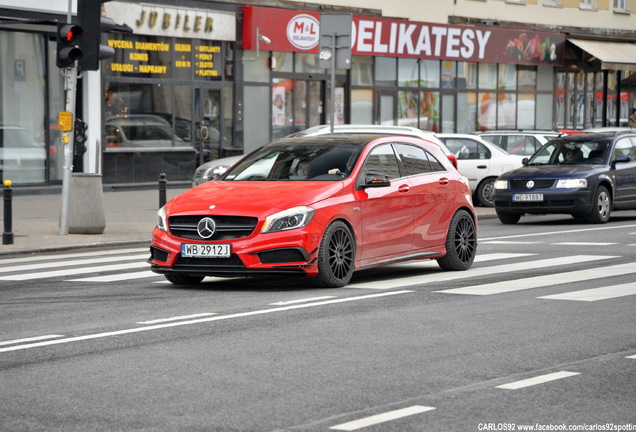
(198,250)
(527,197)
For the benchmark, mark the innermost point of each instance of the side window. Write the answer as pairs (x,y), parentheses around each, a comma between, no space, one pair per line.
(624,147)
(382,160)
(435,164)
(414,160)
(497,140)
(467,149)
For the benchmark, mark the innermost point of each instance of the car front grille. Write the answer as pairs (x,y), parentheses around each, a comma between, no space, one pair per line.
(233,262)
(227,227)
(530,204)
(538,184)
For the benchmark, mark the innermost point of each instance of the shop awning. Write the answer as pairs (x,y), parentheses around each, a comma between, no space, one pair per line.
(612,55)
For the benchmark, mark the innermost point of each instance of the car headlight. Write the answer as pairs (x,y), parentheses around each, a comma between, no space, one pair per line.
(162,220)
(572,183)
(296,217)
(501,184)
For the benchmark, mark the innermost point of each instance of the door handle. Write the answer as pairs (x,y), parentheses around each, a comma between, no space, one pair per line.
(481,167)
(404,188)
(443,181)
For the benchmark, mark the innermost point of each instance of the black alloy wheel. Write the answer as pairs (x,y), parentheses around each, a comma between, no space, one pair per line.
(336,257)
(461,243)
(601,206)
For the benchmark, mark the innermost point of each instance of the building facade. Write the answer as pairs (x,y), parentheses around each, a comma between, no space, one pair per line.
(215,79)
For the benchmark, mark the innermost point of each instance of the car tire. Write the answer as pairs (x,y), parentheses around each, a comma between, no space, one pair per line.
(336,257)
(601,206)
(508,218)
(183,279)
(461,243)
(485,192)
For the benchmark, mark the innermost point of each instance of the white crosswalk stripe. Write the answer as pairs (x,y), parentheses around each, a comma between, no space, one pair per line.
(595,294)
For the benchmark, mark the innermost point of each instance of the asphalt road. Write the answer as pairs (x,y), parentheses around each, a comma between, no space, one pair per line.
(540,332)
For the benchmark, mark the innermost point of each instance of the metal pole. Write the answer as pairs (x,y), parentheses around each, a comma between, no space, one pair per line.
(7,235)
(70,85)
(333,81)
(163,183)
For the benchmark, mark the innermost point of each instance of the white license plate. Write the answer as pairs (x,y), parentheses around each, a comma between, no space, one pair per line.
(200,250)
(527,197)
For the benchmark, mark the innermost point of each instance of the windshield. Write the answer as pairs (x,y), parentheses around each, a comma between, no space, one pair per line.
(297,162)
(563,152)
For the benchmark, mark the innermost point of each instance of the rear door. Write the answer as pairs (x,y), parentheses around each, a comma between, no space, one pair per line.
(625,173)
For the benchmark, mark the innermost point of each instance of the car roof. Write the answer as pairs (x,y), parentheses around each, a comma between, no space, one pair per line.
(360,139)
(362,128)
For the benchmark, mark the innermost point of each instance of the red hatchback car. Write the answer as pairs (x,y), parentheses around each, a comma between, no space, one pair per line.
(320,207)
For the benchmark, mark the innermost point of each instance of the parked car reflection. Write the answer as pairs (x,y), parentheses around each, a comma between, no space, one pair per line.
(140,130)
(22,159)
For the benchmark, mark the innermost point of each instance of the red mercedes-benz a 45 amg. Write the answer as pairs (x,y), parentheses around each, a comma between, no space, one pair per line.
(320,207)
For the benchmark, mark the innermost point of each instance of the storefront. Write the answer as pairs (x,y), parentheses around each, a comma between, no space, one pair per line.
(447,78)
(168,92)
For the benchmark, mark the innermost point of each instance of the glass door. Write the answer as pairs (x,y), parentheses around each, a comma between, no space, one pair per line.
(206,124)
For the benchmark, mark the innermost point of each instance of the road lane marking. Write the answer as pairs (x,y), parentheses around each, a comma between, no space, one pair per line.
(552,233)
(73,255)
(544,281)
(537,380)
(631,357)
(585,244)
(510,242)
(74,271)
(284,303)
(382,418)
(31,339)
(442,276)
(177,318)
(595,294)
(199,321)
(117,277)
(73,263)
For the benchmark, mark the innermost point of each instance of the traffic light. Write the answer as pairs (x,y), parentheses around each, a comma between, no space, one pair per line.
(89,16)
(68,44)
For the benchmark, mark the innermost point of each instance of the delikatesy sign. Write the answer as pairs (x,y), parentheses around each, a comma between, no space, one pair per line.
(298,31)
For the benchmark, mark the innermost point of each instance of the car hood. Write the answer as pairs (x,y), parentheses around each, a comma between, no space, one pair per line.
(550,171)
(251,198)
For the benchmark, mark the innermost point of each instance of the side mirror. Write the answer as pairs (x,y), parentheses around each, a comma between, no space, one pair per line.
(372,180)
(524,161)
(621,159)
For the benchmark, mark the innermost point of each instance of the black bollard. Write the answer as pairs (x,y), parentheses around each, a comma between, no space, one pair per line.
(163,183)
(7,235)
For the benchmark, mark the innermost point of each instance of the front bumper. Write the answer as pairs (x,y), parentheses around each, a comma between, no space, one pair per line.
(554,202)
(291,253)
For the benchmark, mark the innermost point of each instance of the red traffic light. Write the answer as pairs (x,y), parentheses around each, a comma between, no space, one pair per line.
(68,48)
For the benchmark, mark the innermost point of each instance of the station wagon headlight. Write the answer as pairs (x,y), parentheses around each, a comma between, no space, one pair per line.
(501,184)
(162,222)
(296,217)
(572,183)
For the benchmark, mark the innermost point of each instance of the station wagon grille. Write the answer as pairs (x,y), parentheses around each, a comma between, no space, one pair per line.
(538,184)
(227,227)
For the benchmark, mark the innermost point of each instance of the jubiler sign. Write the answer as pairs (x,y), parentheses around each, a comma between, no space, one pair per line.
(298,31)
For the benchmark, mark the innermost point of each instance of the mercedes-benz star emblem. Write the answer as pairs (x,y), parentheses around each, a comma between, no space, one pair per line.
(206,227)
(530,184)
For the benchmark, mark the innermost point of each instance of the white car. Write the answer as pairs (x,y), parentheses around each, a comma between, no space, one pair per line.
(481,161)
(211,169)
(524,142)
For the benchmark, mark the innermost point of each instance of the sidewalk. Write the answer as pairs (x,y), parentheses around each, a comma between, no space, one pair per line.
(130,219)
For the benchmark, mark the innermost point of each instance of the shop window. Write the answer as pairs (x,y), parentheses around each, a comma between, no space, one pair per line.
(430,73)
(448,113)
(282,61)
(307,63)
(362,71)
(281,106)
(466,75)
(408,108)
(23,155)
(466,112)
(526,111)
(408,72)
(507,77)
(257,116)
(362,106)
(544,112)
(257,70)
(527,78)
(487,76)
(506,111)
(449,74)
(385,71)
(545,78)
(429,111)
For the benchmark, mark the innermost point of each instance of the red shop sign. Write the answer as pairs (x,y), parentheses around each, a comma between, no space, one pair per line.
(298,31)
